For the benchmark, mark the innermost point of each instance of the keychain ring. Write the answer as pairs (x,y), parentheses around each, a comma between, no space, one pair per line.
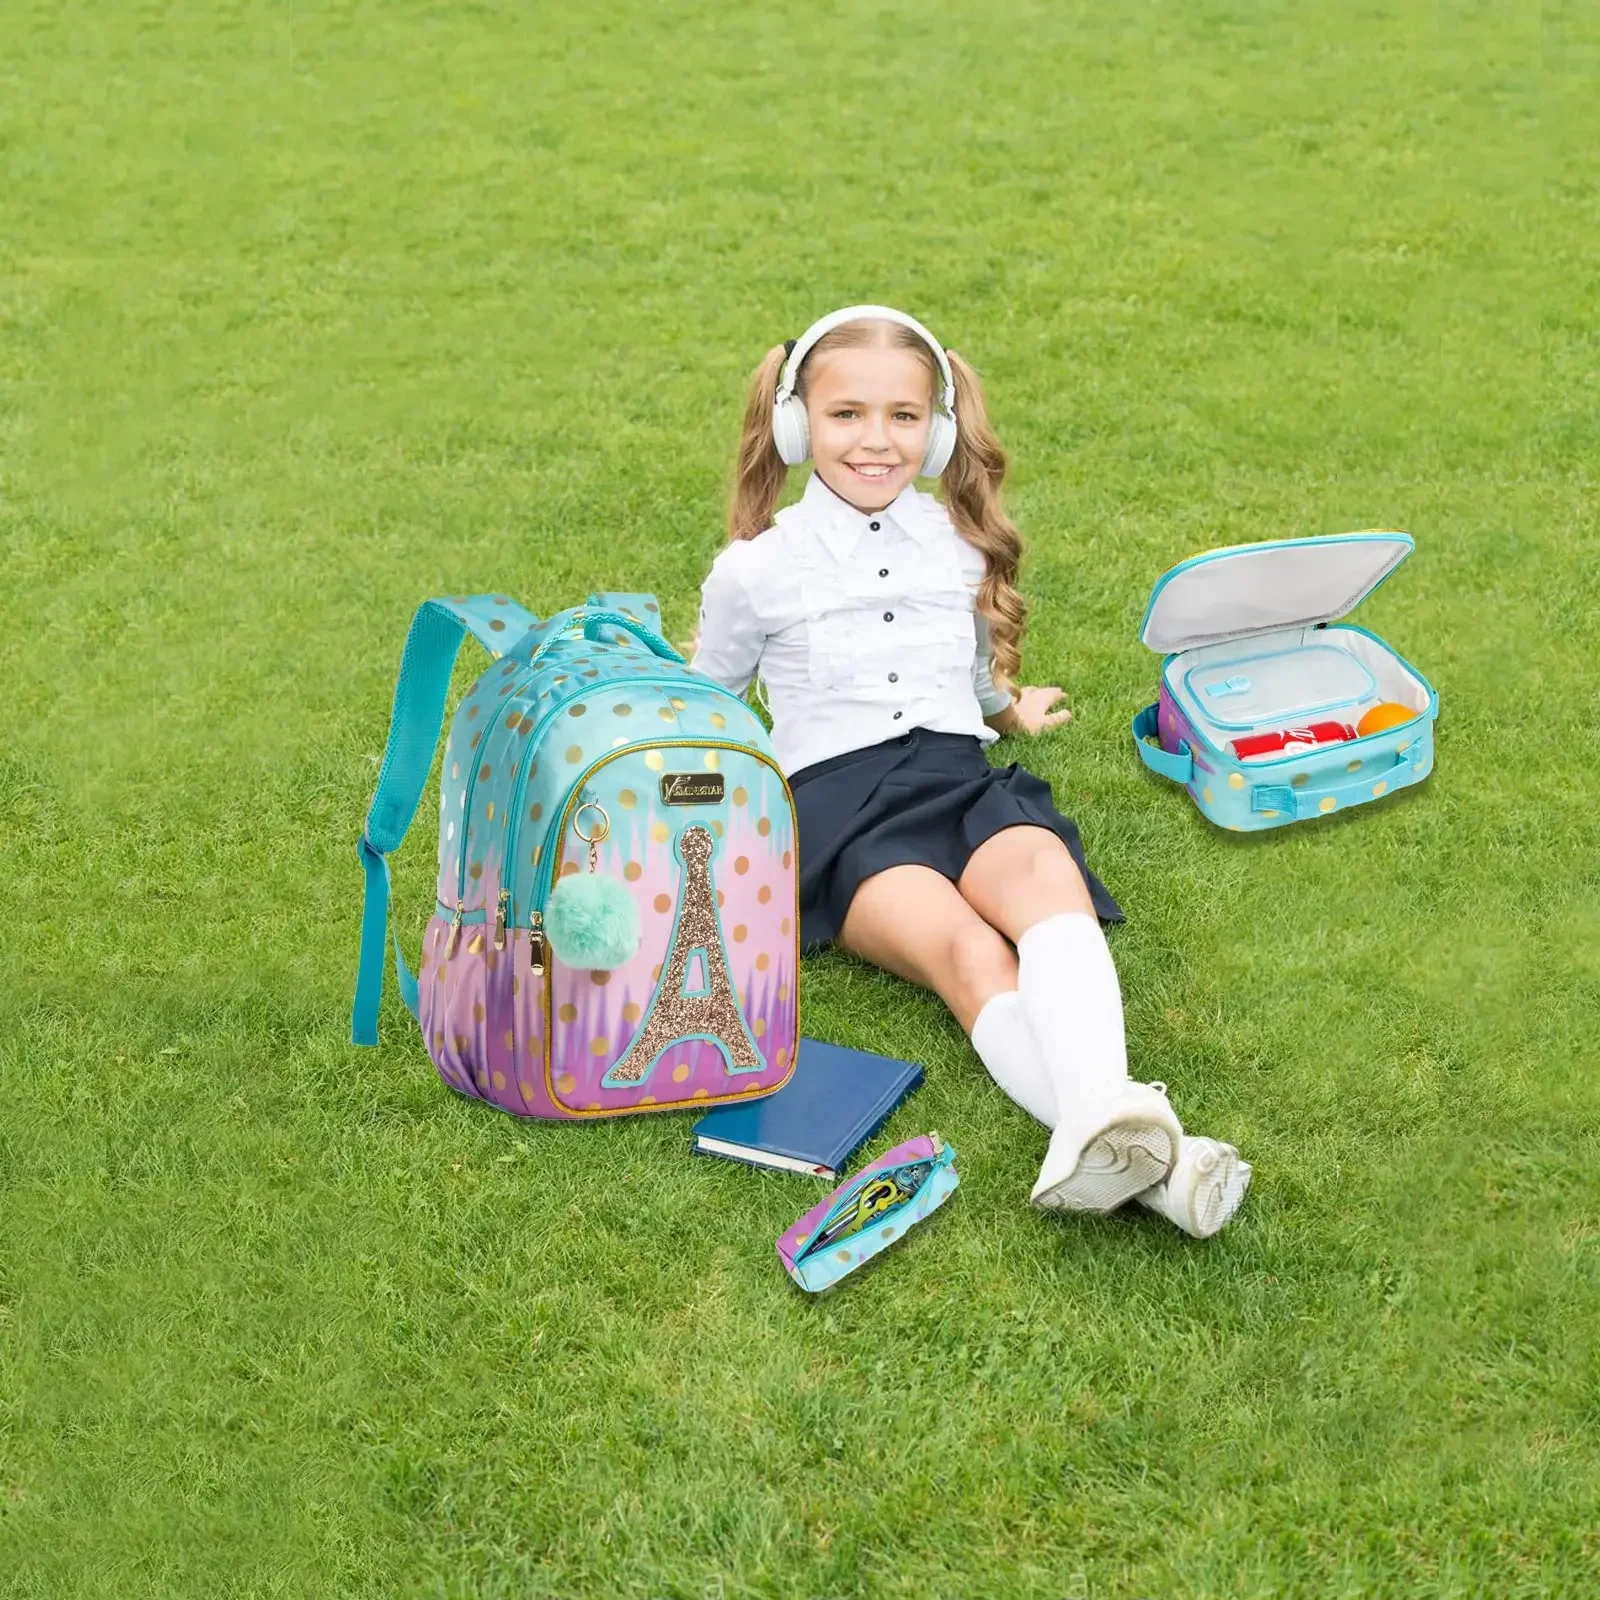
(599,832)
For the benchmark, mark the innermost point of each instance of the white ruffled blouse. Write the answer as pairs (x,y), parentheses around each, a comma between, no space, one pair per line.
(861,627)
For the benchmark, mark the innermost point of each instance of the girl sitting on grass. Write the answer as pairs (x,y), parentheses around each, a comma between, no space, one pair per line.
(886,627)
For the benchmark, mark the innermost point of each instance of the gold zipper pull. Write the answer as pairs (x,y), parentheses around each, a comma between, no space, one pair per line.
(500,920)
(536,944)
(455,929)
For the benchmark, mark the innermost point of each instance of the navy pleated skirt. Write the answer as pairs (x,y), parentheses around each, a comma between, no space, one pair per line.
(925,799)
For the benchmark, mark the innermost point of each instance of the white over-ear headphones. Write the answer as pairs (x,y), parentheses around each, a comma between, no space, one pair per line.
(791,429)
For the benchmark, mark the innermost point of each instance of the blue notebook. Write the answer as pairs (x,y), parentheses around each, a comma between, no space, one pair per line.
(834,1101)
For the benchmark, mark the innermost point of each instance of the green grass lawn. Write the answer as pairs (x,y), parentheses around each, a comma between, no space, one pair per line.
(308,312)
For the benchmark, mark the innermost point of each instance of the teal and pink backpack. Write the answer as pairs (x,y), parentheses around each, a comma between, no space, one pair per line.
(588,749)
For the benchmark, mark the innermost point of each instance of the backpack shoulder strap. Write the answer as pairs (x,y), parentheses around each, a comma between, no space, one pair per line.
(643,608)
(432,643)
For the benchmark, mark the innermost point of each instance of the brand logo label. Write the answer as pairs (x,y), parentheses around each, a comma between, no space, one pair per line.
(691,788)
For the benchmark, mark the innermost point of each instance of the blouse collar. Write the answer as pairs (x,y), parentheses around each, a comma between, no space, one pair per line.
(842,525)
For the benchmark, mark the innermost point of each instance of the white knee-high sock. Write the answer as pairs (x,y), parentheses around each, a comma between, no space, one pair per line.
(1006,1046)
(1073,1004)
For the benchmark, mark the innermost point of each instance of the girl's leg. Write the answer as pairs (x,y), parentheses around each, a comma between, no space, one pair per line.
(1110,1135)
(913,922)
(1113,1138)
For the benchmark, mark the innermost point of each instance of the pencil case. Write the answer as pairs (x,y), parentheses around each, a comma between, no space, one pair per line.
(868,1212)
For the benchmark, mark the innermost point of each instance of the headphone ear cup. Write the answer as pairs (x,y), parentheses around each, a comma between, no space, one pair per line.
(941,444)
(791,431)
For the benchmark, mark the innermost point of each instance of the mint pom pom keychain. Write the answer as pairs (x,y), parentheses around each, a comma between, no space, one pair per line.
(591,921)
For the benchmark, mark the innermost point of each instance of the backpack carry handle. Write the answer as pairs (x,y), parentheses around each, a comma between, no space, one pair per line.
(639,605)
(594,621)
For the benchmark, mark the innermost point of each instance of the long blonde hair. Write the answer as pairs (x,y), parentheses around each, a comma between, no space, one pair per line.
(970,483)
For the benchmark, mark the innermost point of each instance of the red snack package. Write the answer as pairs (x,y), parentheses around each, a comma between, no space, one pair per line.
(1267,744)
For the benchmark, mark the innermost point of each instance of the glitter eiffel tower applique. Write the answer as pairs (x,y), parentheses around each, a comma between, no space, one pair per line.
(710,1011)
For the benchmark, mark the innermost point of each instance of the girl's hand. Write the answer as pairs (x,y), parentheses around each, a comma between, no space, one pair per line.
(1031,713)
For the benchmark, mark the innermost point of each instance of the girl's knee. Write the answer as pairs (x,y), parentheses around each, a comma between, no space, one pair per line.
(1052,872)
(981,961)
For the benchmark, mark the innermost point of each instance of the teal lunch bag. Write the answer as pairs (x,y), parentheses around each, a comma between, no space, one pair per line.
(1255,654)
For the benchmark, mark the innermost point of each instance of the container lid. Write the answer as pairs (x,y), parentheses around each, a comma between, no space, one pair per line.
(1258,588)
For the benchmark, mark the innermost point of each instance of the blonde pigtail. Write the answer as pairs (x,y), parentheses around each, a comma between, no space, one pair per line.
(761,474)
(971,485)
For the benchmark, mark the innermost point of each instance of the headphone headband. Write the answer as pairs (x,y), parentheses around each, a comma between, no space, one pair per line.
(796,350)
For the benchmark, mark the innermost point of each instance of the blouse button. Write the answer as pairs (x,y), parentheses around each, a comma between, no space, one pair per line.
(883,572)
(888,616)
(894,677)
(898,715)
(874,526)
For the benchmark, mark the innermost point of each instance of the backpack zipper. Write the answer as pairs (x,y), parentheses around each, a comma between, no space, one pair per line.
(542,880)
(466,804)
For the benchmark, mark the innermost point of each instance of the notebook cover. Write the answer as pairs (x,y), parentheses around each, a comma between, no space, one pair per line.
(834,1101)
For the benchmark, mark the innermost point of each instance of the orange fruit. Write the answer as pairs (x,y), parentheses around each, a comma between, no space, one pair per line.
(1387,715)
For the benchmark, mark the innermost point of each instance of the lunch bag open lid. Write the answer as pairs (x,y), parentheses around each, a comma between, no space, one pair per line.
(1259,588)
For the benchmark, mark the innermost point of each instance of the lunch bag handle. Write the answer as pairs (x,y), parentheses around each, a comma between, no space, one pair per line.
(1308,802)
(1179,767)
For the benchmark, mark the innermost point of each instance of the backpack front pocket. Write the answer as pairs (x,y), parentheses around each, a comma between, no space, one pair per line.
(702,837)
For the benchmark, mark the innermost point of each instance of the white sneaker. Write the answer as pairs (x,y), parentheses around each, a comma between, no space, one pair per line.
(1206,1186)
(1109,1150)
